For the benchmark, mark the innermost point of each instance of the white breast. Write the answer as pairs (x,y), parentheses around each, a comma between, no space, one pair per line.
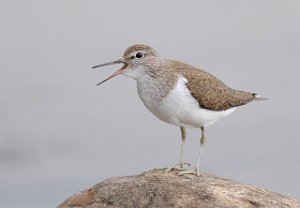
(180,108)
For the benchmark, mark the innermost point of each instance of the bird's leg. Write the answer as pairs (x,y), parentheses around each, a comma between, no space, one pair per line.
(181,164)
(183,137)
(196,170)
(202,141)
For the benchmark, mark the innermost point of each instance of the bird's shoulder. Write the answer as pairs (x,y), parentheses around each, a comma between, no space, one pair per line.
(210,92)
(196,77)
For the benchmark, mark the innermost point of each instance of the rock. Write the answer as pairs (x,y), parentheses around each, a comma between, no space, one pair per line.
(158,189)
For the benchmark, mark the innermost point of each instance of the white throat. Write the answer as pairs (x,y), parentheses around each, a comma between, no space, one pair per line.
(136,72)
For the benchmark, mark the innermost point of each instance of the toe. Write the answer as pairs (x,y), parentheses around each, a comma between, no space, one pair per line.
(194,171)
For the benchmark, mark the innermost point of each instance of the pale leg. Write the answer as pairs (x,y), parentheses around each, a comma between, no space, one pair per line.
(181,164)
(196,170)
(183,137)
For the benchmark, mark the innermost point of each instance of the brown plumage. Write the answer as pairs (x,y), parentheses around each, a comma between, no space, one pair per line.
(168,96)
(210,92)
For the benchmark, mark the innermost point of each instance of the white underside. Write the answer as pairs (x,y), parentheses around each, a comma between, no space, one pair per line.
(180,108)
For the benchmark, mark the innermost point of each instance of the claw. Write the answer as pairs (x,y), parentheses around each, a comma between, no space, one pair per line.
(194,171)
(186,163)
(179,166)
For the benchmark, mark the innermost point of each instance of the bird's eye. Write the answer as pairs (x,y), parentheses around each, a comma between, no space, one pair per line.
(139,55)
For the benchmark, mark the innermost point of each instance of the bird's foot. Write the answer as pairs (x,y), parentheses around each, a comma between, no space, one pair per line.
(194,171)
(179,166)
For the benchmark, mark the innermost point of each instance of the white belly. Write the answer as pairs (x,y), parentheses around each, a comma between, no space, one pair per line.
(180,108)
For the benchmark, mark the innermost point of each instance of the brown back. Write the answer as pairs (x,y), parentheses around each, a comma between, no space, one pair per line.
(210,92)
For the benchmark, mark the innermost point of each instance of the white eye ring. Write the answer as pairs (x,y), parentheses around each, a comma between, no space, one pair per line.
(139,55)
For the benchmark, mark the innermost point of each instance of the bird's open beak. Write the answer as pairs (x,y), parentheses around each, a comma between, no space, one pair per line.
(120,71)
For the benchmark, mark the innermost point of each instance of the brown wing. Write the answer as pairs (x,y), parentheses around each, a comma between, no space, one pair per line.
(211,93)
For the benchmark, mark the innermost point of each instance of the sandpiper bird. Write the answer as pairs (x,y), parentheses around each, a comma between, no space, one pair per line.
(179,94)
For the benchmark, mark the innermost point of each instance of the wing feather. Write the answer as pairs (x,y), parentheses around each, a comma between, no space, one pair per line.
(210,92)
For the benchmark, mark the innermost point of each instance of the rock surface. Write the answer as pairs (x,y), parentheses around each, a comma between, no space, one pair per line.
(158,189)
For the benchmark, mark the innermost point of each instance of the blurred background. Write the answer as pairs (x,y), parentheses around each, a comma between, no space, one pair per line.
(59,133)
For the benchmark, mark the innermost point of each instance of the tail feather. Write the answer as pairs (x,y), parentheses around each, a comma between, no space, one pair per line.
(259,98)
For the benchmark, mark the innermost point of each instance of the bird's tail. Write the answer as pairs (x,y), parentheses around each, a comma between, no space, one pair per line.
(259,98)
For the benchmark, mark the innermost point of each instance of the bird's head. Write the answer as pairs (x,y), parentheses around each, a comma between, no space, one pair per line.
(136,60)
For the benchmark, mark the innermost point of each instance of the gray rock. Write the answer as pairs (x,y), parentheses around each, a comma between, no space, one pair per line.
(155,189)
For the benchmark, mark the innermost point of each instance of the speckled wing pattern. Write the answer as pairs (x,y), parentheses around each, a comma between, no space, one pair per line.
(210,92)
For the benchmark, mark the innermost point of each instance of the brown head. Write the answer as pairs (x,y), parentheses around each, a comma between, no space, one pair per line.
(136,60)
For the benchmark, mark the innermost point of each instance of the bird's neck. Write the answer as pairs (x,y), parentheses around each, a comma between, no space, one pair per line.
(156,83)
